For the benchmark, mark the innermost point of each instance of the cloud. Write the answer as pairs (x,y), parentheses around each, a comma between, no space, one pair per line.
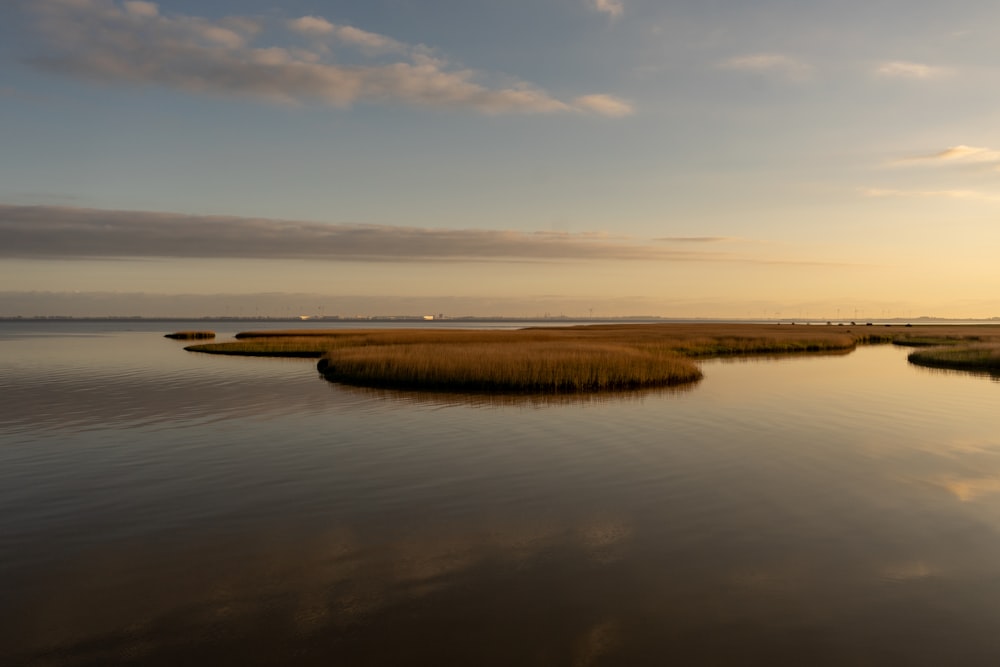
(694,239)
(973,153)
(613,8)
(51,232)
(312,25)
(134,43)
(960,154)
(967,489)
(972,195)
(909,70)
(369,42)
(143,9)
(603,105)
(768,62)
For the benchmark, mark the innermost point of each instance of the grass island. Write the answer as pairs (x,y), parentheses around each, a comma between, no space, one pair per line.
(580,358)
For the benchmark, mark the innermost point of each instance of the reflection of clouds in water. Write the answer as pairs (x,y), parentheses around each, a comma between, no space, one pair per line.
(576,591)
(968,489)
(957,447)
(139,600)
(966,467)
(908,571)
(421,567)
(605,538)
(596,643)
(762,579)
(785,575)
(798,577)
(522,542)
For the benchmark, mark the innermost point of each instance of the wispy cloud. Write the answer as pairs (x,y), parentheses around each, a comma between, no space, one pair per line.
(312,25)
(967,489)
(910,70)
(604,105)
(369,42)
(694,239)
(778,63)
(972,195)
(613,8)
(134,43)
(960,154)
(51,232)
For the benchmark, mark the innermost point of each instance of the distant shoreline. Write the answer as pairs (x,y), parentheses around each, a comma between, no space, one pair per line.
(923,320)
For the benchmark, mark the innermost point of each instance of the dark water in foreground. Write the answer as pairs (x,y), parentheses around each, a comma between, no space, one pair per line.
(160,507)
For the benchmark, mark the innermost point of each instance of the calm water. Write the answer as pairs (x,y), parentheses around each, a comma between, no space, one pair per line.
(161,507)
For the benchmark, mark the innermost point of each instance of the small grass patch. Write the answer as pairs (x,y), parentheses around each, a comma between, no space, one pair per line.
(272,347)
(979,358)
(191,335)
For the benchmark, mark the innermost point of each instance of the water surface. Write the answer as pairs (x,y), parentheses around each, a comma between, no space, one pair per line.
(162,507)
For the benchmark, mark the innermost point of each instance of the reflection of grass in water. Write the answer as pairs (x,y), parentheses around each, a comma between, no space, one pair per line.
(933,341)
(976,358)
(190,335)
(762,357)
(564,359)
(483,399)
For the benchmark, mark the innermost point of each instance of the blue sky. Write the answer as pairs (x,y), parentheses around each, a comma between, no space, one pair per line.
(670,158)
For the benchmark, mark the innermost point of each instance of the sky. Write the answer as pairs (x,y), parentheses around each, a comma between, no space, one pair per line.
(781,158)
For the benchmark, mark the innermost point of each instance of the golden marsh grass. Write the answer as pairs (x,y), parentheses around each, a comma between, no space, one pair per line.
(934,341)
(979,358)
(525,367)
(270,347)
(546,359)
(557,359)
